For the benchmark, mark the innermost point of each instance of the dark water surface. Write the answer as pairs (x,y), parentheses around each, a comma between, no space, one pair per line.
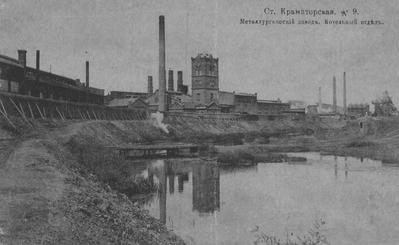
(204,204)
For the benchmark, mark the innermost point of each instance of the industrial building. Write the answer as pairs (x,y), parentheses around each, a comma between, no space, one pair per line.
(17,77)
(384,106)
(358,110)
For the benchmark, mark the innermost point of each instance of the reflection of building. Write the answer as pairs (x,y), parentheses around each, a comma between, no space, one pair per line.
(206,188)
(181,178)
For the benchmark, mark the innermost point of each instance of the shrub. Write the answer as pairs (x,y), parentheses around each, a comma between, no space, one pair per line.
(108,167)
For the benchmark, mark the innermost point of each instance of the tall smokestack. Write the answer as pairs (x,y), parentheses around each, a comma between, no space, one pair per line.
(334,95)
(170,81)
(22,57)
(150,88)
(344,103)
(87,74)
(162,71)
(320,100)
(37,59)
(180,81)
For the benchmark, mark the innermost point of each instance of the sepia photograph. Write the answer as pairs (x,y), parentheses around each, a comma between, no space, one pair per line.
(199,122)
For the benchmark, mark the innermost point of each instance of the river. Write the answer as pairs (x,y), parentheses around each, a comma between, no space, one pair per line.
(357,200)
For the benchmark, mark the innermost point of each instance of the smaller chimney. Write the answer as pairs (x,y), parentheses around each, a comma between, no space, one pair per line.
(334,95)
(87,74)
(320,102)
(149,88)
(37,59)
(180,81)
(170,81)
(22,57)
(344,85)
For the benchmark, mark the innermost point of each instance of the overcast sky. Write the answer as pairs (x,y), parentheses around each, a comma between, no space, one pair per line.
(120,38)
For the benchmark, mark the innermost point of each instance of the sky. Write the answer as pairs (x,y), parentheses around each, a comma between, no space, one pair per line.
(120,39)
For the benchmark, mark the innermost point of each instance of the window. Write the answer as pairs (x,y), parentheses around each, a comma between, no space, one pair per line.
(211,96)
(198,96)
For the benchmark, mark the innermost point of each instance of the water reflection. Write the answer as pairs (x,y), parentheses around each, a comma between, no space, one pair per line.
(205,184)
(205,204)
(206,188)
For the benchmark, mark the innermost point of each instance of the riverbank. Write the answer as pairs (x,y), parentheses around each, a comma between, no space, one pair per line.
(58,188)
(55,191)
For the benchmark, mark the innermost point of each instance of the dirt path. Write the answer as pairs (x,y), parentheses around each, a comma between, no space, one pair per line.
(29,184)
(44,201)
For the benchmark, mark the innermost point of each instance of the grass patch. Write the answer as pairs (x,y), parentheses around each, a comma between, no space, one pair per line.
(315,236)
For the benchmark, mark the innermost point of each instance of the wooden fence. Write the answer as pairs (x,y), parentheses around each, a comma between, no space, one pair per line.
(28,107)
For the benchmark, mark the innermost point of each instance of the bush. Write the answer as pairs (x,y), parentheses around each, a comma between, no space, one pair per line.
(108,167)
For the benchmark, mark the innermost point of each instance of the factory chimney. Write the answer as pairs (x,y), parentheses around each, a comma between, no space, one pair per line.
(149,85)
(320,103)
(162,72)
(37,59)
(87,74)
(180,81)
(334,95)
(170,81)
(344,103)
(22,57)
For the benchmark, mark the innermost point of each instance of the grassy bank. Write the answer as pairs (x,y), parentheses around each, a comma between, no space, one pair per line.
(80,186)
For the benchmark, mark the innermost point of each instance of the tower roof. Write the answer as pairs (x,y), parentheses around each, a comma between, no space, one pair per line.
(204,56)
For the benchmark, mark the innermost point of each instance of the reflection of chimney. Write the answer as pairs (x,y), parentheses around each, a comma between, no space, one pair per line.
(87,74)
(334,95)
(171,183)
(37,59)
(180,181)
(22,57)
(150,88)
(162,193)
(179,81)
(162,72)
(170,81)
(344,102)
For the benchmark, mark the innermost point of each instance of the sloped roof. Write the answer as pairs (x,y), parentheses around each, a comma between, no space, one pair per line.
(245,94)
(124,102)
(9,61)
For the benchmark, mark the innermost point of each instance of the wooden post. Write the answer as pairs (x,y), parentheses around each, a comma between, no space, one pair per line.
(30,110)
(19,111)
(38,109)
(4,113)
(59,113)
(88,115)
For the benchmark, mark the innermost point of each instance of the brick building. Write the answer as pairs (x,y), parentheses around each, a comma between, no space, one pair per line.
(204,79)
(272,107)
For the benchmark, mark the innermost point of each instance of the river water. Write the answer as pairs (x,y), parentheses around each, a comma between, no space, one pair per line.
(357,199)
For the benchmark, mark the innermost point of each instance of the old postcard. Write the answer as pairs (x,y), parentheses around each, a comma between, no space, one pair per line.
(210,122)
